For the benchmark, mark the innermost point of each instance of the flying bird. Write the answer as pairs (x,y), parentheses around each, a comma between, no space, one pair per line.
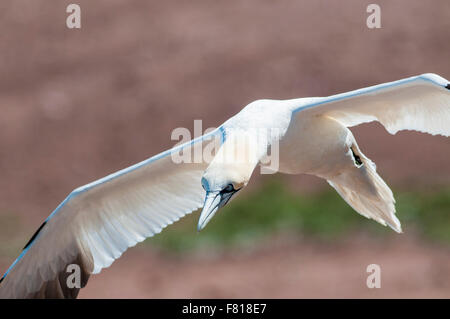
(97,222)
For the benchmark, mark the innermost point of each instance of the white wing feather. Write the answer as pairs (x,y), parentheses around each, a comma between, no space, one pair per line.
(420,103)
(99,221)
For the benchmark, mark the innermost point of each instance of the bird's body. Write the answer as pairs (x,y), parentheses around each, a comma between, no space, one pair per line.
(99,221)
(303,143)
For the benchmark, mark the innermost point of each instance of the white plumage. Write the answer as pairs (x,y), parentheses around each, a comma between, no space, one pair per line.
(99,221)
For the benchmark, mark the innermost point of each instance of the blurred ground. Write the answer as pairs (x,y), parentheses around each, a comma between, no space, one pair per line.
(282,268)
(79,104)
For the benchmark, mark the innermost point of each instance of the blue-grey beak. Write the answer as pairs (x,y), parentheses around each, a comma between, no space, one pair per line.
(213,201)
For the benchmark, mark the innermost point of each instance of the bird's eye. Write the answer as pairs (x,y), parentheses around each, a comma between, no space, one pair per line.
(228,189)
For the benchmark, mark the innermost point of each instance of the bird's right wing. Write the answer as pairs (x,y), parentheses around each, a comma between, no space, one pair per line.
(99,221)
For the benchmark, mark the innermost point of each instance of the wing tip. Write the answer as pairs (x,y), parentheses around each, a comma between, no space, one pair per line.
(397,227)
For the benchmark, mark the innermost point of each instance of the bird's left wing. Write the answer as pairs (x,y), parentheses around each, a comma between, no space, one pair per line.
(420,103)
(99,221)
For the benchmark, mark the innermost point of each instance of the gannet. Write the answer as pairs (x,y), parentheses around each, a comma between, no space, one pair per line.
(97,222)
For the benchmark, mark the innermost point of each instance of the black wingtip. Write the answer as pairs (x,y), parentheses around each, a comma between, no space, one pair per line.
(2,279)
(448,86)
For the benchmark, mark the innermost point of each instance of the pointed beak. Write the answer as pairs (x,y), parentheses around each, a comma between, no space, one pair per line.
(210,208)
(213,201)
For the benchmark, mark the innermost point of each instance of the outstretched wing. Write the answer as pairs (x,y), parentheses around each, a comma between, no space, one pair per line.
(98,222)
(420,103)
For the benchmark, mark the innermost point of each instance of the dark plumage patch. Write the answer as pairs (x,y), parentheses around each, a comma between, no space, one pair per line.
(35,235)
(357,159)
(448,86)
(57,288)
(1,279)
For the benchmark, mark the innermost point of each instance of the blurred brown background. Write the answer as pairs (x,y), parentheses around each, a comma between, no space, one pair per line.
(79,104)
